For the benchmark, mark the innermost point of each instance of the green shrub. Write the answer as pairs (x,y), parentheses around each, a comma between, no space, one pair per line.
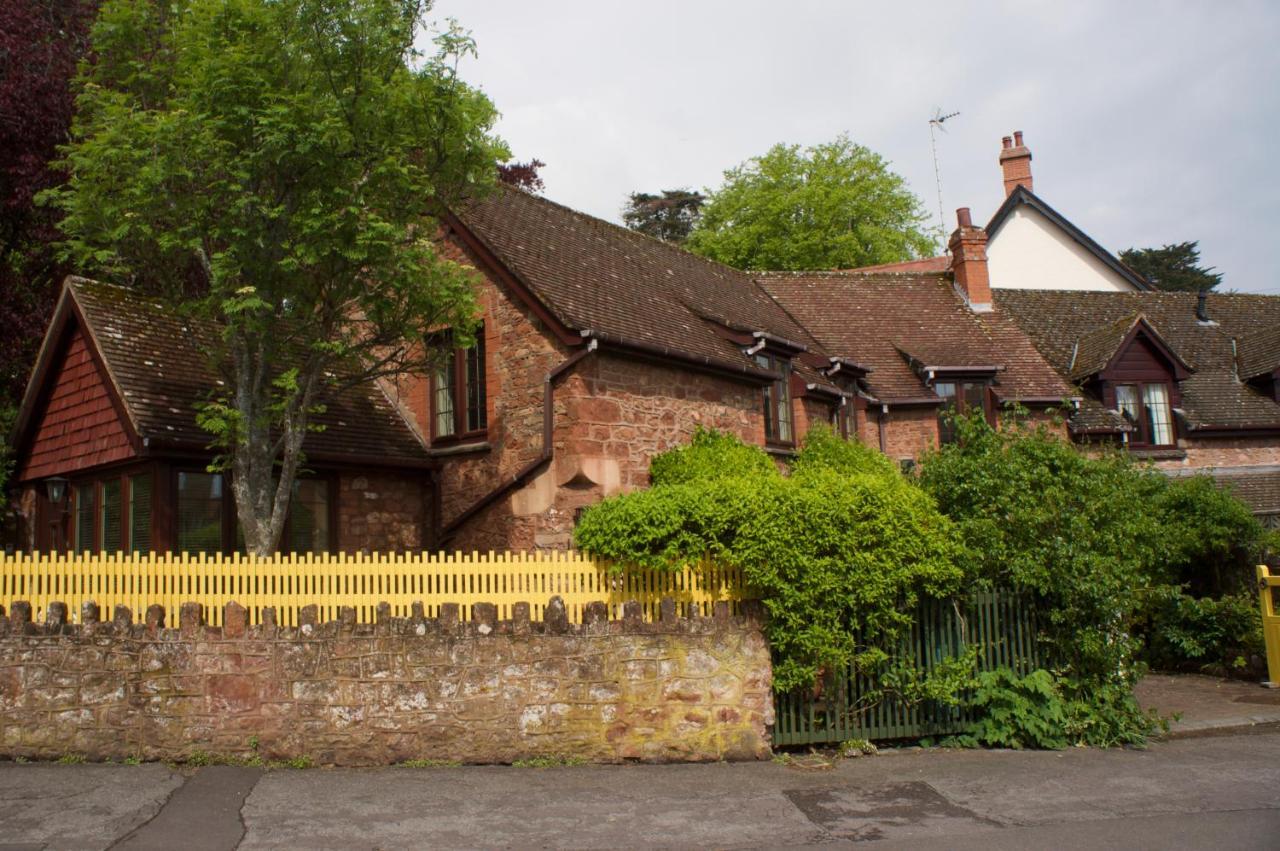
(1081,533)
(1077,531)
(833,555)
(1018,712)
(1215,636)
(823,449)
(1203,615)
(1213,539)
(710,455)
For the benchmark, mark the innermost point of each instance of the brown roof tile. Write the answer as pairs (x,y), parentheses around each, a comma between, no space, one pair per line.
(597,276)
(886,320)
(1095,349)
(1258,490)
(152,355)
(1259,353)
(1213,396)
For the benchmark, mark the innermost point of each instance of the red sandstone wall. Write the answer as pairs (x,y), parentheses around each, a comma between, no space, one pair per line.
(383,512)
(613,414)
(683,689)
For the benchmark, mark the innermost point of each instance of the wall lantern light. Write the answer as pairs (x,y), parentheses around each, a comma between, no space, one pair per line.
(55,487)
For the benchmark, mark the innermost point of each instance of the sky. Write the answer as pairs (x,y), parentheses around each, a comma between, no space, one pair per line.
(1148,123)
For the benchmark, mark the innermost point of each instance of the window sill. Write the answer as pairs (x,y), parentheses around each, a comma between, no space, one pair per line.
(1167,453)
(451,449)
(780,450)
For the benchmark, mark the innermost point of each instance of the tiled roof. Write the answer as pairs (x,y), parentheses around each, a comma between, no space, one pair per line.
(153,357)
(1095,349)
(1092,417)
(597,276)
(1258,490)
(886,320)
(938,264)
(1259,353)
(1213,396)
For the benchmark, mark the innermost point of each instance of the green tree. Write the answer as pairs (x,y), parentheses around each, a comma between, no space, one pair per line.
(669,216)
(1174,268)
(272,167)
(831,206)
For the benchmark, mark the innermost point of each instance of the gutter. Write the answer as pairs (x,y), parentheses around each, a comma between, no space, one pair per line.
(163,446)
(544,457)
(735,370)
(1073,401)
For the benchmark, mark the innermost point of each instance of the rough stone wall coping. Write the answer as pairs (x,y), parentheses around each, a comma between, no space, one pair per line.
(674,619)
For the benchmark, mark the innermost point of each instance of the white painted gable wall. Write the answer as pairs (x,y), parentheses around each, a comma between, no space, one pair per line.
(1029,252)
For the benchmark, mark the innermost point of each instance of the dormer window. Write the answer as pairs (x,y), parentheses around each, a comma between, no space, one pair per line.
(1146,406)
(1136,373)
(778,426)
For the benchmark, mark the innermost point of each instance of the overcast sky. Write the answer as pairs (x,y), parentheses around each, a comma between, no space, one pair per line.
(1149,123)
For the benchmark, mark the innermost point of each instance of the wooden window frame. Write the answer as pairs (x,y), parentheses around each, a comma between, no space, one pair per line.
(1141,439)
(227,545)
(460,393)
(66,538)
(962,406)
(775,361)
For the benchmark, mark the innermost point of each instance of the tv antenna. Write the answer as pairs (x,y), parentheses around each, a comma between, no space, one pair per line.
(935,124)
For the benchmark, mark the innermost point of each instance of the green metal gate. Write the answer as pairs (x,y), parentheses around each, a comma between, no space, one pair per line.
(1000,624)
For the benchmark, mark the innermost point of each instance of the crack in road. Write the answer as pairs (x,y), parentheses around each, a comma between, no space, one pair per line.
(164,803)
(205,812)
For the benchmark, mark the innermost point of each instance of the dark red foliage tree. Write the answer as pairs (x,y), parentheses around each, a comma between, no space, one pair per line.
(522,175)
(41,41)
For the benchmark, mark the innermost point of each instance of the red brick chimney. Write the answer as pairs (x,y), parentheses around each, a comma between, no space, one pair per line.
(1015,161)
(969,262)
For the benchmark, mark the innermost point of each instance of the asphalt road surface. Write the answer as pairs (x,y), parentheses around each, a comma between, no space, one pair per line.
(1216,792)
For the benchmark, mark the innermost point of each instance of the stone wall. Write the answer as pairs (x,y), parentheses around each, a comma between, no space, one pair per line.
(613,414)
(383,512)
(681,689)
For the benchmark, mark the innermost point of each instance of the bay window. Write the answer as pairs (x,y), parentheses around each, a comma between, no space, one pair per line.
(140,513)
(83,533)
(206,516)
(112,514)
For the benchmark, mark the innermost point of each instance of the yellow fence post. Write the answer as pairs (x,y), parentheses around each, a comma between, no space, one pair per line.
(1270,624)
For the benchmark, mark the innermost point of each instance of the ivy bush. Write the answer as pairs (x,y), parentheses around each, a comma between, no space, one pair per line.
(839,552)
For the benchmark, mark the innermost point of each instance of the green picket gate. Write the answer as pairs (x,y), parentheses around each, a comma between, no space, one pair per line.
(1001,624)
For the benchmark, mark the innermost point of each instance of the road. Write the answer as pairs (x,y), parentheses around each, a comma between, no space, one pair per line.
(1219,791)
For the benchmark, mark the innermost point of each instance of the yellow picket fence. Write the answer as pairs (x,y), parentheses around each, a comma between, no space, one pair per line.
(287,583)
(1267,585)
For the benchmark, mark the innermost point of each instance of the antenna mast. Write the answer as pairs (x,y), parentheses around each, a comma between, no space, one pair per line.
(937,122)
